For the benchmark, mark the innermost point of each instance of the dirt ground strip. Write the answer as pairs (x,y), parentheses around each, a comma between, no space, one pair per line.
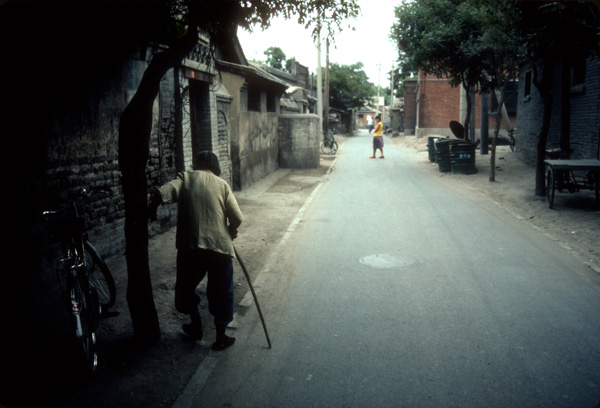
(154,376)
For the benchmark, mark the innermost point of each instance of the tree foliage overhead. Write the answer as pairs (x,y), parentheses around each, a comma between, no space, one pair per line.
(554,28)
(349,86)
(252,13)
(462,40)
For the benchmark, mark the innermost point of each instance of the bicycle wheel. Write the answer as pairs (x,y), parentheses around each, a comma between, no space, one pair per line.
(511,141)
(324,149)
(334,147)
(329,147)
(99,277)
(85,311)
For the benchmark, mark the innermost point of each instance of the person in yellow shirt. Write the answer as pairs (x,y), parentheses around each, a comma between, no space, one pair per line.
(208,217)
(378,137)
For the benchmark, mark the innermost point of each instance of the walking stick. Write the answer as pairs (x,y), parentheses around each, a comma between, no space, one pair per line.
(262,319)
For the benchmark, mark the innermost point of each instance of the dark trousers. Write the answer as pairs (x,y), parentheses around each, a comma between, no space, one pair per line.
(192,266)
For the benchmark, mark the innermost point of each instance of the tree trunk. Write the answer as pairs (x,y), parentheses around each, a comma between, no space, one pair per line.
(134,133)
(492,177)
(565,107)
(134,137)
(484,126)
(468,116)
(545,88)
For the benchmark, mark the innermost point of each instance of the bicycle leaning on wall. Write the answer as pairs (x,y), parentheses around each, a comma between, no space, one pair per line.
(511,139)
(329,145)
(87,285)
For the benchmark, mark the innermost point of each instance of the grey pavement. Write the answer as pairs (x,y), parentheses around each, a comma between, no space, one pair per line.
(292,192)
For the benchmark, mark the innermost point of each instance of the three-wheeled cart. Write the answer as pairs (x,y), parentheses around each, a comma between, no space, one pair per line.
(572,176)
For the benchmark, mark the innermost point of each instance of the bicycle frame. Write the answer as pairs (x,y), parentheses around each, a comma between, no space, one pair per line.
(83,283)
(75,238)
(74,264)
(75,304)
(82,301)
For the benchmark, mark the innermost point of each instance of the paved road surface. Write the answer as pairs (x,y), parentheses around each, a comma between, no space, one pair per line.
(396,291)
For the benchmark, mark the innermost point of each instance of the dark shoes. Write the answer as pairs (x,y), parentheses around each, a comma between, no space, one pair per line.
(223,342)
(194,331)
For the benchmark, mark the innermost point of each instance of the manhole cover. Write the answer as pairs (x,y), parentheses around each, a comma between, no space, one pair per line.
(389,261)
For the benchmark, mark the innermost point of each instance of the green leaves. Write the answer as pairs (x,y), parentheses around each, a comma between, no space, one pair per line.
(469,41)
(320,15)
(275,57)
(349,86)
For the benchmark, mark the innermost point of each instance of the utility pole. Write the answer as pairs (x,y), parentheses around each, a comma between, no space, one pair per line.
(392,87)
(378,85)
(326,114)
(319,87)
(393,122)
(378,82)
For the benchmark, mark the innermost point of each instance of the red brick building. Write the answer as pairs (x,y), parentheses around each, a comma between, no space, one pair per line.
(430,104)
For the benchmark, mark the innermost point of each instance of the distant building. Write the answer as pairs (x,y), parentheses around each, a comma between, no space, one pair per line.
(430,104)
(363,115)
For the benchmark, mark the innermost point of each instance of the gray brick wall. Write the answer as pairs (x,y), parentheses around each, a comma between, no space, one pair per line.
(223,141)
(83,151)
(298,141)
(585,114)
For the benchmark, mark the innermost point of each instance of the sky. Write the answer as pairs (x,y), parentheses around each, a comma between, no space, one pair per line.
(369,43)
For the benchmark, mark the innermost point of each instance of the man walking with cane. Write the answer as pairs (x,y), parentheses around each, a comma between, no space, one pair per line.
(207,222)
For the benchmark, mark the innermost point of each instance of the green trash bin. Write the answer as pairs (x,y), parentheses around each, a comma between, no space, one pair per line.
(431,147)
(442,154)
(462,158)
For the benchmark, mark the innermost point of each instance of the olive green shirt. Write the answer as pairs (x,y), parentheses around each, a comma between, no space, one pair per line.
(206,207)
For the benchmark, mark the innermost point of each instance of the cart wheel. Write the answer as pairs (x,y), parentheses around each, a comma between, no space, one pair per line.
(550,186)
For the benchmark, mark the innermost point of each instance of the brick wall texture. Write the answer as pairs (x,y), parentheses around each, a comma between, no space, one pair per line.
(430,104)
(82,151)
(298,141)
(439,103)
(585,114)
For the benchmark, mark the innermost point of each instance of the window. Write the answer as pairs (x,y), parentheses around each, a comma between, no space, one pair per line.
(271,102)
(253,98)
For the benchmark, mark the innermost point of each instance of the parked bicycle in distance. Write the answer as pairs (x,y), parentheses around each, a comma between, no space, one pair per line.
(87,285)
(511,139)
(329,145)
